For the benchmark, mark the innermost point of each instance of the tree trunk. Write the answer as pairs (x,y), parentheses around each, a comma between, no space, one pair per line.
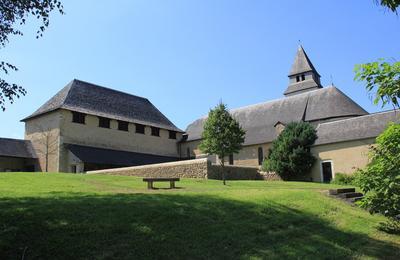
(223,170)
(47,153)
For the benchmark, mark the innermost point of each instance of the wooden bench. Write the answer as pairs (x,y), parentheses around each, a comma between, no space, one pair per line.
(151,180)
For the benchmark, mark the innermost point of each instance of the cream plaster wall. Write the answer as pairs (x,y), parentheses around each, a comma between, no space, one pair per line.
(57,127)
(346,157)
(193,149)
(91,134)
(44,133)
(248,156)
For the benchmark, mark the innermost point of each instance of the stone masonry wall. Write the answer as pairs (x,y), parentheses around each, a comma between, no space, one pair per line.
(197,168)
(234,172)
(183,169)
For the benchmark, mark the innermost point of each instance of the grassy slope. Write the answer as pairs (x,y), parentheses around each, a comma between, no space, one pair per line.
(91,216)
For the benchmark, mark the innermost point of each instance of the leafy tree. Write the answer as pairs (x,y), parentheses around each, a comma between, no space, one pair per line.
(14,13)
(392,5)
(290,154)
(222,135)
(382,76)
(380,180)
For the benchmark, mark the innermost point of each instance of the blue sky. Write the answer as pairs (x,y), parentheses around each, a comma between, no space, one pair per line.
(186,55)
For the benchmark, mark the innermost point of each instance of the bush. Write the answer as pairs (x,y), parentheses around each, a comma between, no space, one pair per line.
(290,156)
(380,180)
(345,179)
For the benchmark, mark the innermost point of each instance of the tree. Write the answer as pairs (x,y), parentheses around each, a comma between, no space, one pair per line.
(46,144)
(380,180)
(392,5)
(382,76)
(290,155)
(12,14)
(222,135)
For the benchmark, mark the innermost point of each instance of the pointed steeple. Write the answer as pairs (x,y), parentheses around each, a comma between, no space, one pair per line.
(302,76)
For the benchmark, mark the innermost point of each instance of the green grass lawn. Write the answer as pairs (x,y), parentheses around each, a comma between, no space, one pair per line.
(65,216)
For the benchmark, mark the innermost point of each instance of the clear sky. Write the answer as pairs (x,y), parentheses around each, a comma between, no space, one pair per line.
(186,55)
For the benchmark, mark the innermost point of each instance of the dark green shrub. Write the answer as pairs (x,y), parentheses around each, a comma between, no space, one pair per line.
(290,156)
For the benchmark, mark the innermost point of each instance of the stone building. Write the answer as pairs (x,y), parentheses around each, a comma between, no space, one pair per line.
(345,130)
(16,155)
(87,127)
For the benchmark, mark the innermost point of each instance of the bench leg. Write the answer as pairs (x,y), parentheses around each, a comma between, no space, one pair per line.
(172,184)
(150,185)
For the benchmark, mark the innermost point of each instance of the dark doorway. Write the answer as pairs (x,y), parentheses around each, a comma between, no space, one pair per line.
(326,171)
(260,155)
(231,159)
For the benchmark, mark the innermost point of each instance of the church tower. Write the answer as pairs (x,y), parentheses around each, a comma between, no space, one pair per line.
(303,76)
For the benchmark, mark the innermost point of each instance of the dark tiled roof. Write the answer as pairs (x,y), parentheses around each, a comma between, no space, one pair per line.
(16,148)
(362,127)
(301,63)
(92,99)
(114,157)
(259,120)
(301,87)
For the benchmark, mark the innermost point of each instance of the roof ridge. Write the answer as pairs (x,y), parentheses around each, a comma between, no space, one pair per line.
(278,99)
(268,101)
(344,94)
(358,117)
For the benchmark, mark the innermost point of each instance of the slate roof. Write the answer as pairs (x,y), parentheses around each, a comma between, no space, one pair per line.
(259,120)
(362,127)
(302,63)
(92,99)
(114,157)
(16,148)
(302,86)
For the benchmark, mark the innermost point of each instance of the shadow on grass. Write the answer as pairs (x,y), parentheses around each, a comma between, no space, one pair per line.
(155,226)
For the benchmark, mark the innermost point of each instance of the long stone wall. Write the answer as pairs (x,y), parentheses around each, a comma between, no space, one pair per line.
(197,168)
(234,172)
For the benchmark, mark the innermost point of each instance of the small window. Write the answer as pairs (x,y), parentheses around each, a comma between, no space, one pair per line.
(139,129)
(260,155)
(155,131)
(297,78)
(123,126)
(231,159)
(78,117)
(188,153)
(303,77)
(104,122)
(172,135)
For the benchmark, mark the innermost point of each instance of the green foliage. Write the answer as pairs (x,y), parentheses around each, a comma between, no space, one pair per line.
(13,14)
(345,179)
(392,5)
(380,180)
(382,76)
(222,134)
(290,155)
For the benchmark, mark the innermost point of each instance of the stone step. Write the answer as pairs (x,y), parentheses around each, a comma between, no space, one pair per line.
(350,195)
(340,191)
(354,199)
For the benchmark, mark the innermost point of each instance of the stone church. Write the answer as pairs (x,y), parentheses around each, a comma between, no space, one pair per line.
(88,127)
